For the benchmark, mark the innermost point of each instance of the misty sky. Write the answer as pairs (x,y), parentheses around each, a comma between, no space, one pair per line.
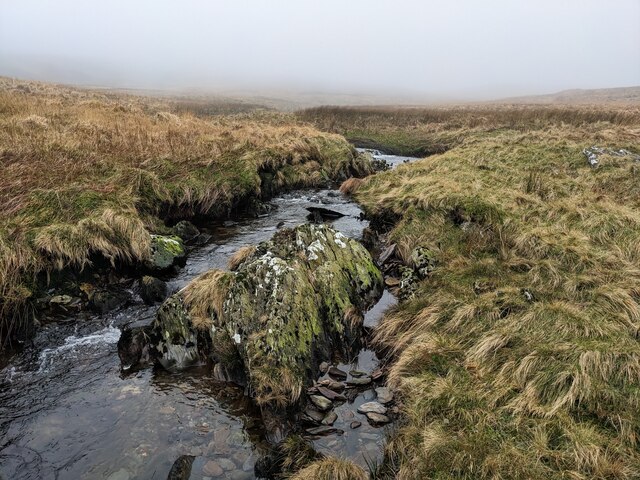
(455,49)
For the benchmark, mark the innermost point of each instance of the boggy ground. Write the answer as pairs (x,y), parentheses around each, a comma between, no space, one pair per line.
(86,175)
(518,356)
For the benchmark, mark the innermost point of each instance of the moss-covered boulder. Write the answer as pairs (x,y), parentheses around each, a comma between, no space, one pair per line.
(292,303)
(166,251)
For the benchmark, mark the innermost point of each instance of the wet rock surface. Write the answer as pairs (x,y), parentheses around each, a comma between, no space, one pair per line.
(166,251)
(295,299)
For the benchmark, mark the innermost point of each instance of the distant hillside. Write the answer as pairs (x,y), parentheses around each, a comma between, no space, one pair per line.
(622,95)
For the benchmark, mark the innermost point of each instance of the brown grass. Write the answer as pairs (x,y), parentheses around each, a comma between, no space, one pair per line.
(350,185)
(240,256)
(85,173)
(205,296)
(331,468)
(496,384)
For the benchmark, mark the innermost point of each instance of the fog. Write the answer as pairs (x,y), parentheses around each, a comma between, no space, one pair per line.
(464,49)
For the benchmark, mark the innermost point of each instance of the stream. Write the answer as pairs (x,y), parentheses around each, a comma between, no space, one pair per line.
(68,412)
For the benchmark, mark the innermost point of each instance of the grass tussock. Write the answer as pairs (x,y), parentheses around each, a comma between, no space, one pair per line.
(519,356)
(331,468)
(350,185)
(240,256)
(205,296)
(87,173)
(422,131)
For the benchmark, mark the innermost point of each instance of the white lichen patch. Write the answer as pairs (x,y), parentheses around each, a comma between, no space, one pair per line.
(313,249)
(339,239)
(236,338)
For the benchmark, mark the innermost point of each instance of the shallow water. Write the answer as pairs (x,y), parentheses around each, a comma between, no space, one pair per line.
(68,412)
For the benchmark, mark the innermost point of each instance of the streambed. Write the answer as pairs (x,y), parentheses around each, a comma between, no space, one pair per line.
(68,412)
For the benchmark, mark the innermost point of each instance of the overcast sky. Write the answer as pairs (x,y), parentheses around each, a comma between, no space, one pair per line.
(454,49)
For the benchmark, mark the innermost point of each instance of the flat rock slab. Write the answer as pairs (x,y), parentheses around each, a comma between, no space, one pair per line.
(378,418)
(332,385)
(321,403)
(387,253)
(359,381)
(324,430)
(324,213)
(337,373)
(330,394)
(330,419)
(384,395)
(372,407)
(314,415)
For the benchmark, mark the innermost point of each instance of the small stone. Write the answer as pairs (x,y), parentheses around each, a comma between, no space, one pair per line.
(336,372)
(330,394)
(212,469)
(314,415)
(369,395)
(374,407)
(377,374)
(387,253)
(62,300)
(391,282)
(226,464)
(185,230)
(377,417)
(355,424)
(384,395)
(322,403)
(330,419)
(324,430)
(357,373)
(332,385)
(121,474)
(324,366)
(359,381)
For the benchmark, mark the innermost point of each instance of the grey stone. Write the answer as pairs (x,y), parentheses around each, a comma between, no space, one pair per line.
(384,395)
(359,381)
(377,418)
(374,407)
(330,419)
(322,403)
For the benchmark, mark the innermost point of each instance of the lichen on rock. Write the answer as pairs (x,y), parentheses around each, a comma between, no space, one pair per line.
(166,251)
(291,303)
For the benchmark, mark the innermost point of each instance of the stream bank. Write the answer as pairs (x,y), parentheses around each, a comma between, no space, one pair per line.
(67,411)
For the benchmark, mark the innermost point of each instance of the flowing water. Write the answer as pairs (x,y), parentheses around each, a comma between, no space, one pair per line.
(68,412)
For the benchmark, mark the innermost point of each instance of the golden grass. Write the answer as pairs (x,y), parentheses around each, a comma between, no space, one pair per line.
(204,298)
(86,174)
(331,468)
(497,383)
(350,185)
(421,131)
(240,256)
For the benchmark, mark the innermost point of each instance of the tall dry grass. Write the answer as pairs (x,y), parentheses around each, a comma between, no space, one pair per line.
(87,173)
(519,356)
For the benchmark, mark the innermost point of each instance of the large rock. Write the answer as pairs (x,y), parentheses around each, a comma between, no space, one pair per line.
(297,298)
(292,303)
(166,251)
